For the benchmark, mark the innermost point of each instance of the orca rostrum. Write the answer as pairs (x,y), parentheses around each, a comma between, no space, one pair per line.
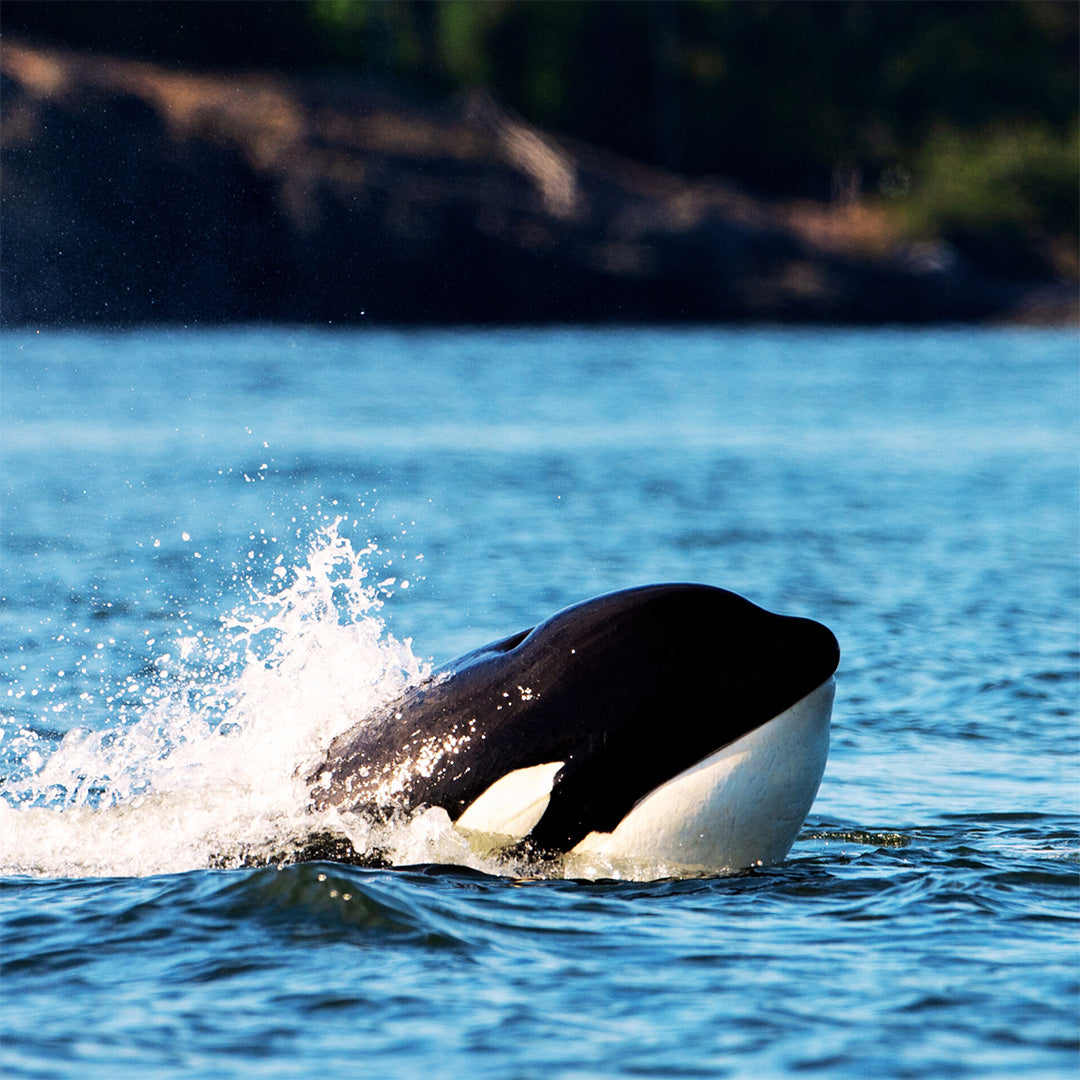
(679,723)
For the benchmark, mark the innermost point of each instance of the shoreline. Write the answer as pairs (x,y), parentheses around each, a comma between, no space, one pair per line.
(139,195)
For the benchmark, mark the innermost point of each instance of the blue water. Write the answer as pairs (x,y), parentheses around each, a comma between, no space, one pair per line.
(217,544)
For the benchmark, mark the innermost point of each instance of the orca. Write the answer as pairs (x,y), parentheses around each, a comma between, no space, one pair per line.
(677,723)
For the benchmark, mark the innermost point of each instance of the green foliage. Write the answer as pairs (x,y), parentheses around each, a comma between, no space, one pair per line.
(1009,194)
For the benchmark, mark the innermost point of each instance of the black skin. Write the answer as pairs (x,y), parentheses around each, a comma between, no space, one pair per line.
(628,689)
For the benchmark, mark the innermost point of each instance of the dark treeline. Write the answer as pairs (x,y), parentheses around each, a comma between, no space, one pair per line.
(961,115)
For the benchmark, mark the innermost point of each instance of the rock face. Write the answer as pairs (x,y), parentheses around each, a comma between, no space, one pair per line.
(134,194)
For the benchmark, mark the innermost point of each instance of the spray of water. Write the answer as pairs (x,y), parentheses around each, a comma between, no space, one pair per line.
(204,768)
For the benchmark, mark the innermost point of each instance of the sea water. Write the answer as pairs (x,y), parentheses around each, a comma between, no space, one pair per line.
(220,548)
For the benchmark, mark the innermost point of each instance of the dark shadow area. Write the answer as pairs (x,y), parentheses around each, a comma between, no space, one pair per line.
(527,163)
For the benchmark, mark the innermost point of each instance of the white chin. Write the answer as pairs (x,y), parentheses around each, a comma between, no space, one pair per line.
(742,806)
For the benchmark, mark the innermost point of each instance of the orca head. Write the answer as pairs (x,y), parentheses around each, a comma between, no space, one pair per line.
(680,722)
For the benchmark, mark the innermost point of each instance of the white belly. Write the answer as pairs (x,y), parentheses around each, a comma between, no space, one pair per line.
(742,806)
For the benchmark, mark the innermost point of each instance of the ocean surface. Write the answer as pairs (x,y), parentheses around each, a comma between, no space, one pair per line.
(220,546)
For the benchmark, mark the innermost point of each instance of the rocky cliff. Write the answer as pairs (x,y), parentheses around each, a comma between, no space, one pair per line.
(132,193)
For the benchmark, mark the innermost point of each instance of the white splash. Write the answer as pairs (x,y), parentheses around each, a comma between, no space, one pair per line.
(207,766)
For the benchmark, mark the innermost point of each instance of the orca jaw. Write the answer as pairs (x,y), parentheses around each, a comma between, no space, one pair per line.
(740,807)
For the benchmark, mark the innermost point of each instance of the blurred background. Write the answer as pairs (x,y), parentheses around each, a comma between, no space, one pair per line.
(820,155)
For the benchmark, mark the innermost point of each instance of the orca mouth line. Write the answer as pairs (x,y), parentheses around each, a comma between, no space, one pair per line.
(567,731)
